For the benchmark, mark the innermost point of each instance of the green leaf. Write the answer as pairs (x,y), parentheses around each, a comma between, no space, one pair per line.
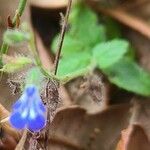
(108,53)
(74,66)
(12,37)
(69,47)
(130,76)
(84,32)
(15,64)
(81,17)
(84,25)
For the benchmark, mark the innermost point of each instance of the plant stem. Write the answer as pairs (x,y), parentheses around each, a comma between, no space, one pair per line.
(64,26)
(33,49)
(19,12)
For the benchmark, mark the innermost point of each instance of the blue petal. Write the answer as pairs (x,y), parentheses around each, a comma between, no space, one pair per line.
(37,123)
(30,90)
(21,103)
(17,104)
(17,121)
(38,103)
(42,107)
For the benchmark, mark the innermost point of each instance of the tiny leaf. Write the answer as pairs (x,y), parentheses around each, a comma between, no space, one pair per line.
(12,37)
(13,65)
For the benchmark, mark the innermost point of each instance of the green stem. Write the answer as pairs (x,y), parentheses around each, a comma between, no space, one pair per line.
(19,12)
(4,48)
(32,48)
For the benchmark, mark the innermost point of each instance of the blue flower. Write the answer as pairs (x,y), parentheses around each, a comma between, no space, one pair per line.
(29,111)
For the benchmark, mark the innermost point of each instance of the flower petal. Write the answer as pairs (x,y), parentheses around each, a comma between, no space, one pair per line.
(37,123)
(30,90)
(38,103)
(42,107)
(21,103)
(17,105)
(17,121)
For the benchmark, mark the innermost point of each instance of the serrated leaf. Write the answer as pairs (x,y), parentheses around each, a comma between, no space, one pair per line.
(15,64)
(130,76)
(12,37)
(108,53)
(74,66)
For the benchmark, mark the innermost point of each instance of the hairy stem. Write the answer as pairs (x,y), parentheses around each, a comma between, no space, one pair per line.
(19,12)
(64,26)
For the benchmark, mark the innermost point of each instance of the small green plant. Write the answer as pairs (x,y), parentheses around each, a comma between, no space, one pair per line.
(91,44)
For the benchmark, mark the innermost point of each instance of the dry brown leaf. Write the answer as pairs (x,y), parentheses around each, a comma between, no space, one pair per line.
(137,140)
(90,92)
(74,128)
(123,141)
(141,114)
(133,138)
(137,135)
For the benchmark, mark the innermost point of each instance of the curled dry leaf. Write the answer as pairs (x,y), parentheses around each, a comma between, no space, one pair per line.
(138,140)
(133,138)
(123,141)
(73,128)
(137,135)
(90,92)
(141,114)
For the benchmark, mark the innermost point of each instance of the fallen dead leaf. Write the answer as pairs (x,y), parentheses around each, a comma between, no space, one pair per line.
(133,138)
(73,128)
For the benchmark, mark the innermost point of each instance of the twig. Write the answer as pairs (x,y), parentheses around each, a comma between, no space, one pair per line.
(123,17)
(21,143)
(64,26)
(47,63)
(52,95)
(34,141)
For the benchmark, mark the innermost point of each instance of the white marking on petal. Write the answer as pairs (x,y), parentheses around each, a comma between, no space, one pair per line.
(32,113)
(24,113)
